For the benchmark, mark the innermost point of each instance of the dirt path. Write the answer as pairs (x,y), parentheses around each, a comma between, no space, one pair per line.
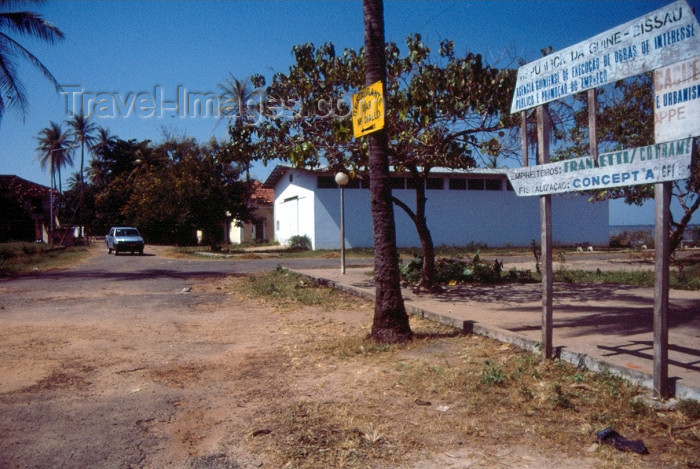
(125,363)
(149,362)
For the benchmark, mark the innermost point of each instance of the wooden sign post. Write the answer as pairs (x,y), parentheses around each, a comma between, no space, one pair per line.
(675,116)
(662,196)
(543,133)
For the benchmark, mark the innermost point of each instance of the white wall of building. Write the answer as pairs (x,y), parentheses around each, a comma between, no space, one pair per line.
(455,217)
(236,233)
(294,207)
(258,230)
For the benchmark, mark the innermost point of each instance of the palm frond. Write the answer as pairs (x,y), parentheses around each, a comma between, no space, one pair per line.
(13,95)
(27,23)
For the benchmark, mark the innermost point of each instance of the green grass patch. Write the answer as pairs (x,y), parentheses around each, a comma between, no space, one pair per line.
(688,278)
(622,277)
(688,275)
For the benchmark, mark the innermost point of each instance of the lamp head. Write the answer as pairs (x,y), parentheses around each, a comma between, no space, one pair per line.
(341,178)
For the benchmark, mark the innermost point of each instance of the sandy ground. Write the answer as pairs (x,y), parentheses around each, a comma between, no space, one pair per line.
(130,362)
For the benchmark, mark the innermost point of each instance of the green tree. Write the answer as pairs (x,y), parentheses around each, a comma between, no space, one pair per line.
(444,112)
(448,114)
(115,170)
(97,170)
(239,100)
(79,197)
(239,106)
(83,133)
(55,151)
(26,24)
(180,187)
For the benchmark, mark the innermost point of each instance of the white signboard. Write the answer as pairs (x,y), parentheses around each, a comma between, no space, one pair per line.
(663,37)
(662,162)
(677,100)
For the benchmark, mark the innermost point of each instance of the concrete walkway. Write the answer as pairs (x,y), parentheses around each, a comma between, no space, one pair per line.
(598,326)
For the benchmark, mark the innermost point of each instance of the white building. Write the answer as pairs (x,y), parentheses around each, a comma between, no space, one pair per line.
(463,206)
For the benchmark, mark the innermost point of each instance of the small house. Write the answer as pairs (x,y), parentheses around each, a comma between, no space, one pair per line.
(25,210)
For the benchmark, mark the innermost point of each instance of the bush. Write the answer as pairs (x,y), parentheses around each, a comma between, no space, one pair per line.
(410,271)
(492,374)
(688,277)
(300,243)
(454,270)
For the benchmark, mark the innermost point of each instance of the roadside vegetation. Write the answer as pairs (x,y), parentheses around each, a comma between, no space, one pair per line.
(478,263)
(22,258)
(443,391)
(454,265)
(685,277)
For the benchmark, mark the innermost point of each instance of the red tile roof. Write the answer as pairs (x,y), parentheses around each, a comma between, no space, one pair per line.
(262,196)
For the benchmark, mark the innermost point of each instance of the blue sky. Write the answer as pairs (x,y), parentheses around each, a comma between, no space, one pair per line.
(162,48)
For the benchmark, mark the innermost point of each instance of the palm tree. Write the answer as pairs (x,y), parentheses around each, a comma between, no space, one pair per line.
(104,142)
(390,319)
(98,170)
(83,132)
(55,150)
(237,94)
(23,23)
(73,181)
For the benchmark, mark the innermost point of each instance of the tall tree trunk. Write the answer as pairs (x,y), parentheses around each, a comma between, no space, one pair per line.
(82,188)
(427,278)
(390,318)
(428,272)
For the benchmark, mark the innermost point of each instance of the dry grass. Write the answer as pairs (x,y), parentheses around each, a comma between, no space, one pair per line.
(374,405)
(23,258)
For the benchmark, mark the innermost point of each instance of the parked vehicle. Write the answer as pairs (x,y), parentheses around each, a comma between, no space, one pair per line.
(124,238)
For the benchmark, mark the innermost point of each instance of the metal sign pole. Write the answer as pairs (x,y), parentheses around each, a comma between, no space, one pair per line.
(342,230)
(662,196)
(545,236)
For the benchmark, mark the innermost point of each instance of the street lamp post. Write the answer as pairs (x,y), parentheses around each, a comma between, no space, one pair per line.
(342,179)
(51,189)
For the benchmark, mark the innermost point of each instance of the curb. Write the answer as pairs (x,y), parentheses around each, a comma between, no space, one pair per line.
(578,359)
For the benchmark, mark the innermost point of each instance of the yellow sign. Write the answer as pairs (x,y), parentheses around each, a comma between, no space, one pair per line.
(368,110)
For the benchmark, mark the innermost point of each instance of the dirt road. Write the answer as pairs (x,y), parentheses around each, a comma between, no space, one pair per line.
(145,361)
(123,361)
